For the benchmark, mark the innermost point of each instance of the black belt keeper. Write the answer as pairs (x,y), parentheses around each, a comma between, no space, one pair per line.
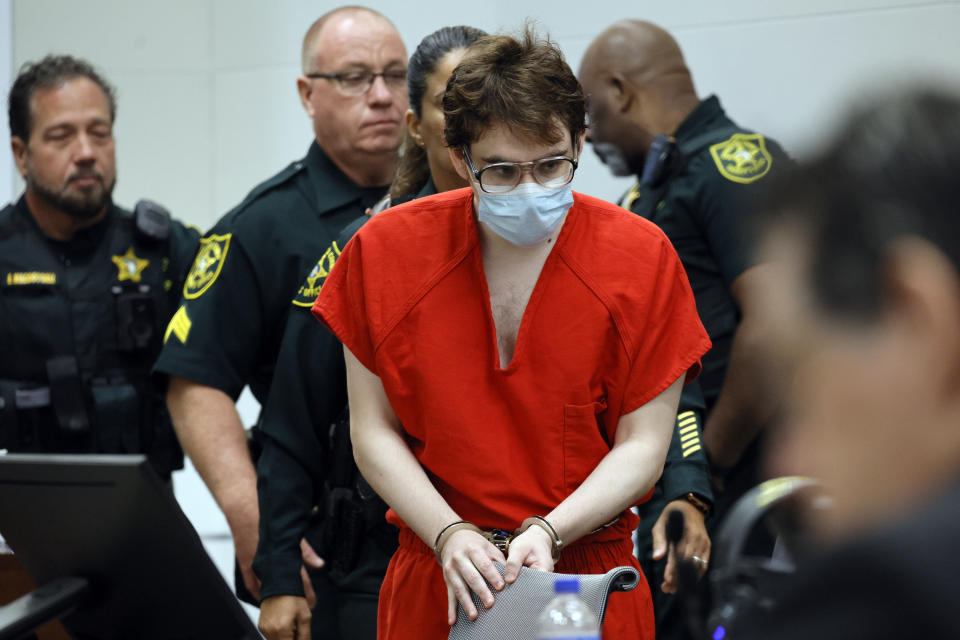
(66,395)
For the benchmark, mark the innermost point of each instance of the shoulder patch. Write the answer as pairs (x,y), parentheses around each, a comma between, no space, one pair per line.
(310,289)
(207,265)
(743,157)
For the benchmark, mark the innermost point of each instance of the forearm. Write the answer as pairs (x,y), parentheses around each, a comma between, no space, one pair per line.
(746,401)
(388,464)
(211,434)
(626,473)
(385,459)
(624,476)
(740,410)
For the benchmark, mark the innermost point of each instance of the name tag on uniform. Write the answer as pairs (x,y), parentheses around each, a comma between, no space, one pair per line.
(30,278)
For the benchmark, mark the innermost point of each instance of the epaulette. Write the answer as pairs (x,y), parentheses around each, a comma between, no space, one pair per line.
(699,143)
(280,178)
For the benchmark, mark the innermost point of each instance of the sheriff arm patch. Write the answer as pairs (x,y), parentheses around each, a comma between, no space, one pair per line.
(742,158)
(207,265)
(310,289)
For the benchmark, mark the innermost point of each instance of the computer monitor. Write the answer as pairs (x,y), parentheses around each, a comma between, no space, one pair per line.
(110,520)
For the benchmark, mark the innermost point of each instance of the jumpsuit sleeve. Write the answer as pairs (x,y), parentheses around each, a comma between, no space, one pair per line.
(672,340)
(343,304)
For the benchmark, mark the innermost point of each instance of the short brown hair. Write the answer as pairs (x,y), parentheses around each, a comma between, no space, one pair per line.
(525,84)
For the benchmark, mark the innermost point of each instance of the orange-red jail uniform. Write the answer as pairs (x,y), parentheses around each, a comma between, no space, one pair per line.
(610,324)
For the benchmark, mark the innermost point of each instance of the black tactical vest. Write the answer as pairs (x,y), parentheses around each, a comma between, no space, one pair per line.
(81,324)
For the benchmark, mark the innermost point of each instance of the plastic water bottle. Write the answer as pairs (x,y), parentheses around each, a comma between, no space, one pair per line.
(567,616)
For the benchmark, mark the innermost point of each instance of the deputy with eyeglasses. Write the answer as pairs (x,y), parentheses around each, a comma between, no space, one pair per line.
(514,364)
(226,333)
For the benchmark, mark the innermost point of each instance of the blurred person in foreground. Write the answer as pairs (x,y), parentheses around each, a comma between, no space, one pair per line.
(862,322)
(227,332)
(514,364)
(694,167)
(307,456)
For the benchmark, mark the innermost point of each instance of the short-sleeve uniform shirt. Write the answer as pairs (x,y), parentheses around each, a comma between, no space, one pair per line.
(610,324)
(699,208)
(248,268)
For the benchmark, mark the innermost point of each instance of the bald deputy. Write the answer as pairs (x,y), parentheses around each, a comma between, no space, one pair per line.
(226,333)
(694,167)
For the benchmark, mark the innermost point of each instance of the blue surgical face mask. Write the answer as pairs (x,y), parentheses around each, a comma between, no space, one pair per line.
(525,215)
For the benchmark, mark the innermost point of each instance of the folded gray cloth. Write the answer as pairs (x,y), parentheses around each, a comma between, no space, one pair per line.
(518,605)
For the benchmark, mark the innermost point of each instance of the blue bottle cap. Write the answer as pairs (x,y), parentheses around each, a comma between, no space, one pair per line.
(566,585)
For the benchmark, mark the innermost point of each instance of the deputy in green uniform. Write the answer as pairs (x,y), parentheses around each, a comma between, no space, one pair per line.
(237,297)
(86,287)
(695,165)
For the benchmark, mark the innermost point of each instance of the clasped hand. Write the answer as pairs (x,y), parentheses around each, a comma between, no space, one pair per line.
(468,567)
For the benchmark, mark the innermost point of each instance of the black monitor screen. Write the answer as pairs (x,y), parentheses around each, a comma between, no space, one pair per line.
(111,520)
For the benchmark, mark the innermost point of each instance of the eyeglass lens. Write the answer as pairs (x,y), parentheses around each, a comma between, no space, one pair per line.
(361,81)
(549,172)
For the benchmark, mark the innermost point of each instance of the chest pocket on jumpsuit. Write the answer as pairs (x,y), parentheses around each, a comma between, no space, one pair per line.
(584,441)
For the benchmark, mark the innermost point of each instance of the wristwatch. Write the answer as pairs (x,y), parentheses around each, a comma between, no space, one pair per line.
(702,505)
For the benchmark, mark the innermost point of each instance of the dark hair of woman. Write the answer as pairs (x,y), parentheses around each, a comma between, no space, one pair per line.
(412,169)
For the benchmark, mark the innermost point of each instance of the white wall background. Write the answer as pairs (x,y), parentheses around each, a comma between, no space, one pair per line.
(6,79)
(208,106)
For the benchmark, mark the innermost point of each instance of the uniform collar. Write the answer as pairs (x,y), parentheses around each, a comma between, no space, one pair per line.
(705,114)
(84,241)
(332,188)
(428,188)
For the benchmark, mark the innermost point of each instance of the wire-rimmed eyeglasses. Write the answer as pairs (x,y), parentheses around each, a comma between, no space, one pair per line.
(501,177)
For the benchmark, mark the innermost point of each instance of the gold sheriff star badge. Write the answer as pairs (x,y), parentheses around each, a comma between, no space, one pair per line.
(129,266)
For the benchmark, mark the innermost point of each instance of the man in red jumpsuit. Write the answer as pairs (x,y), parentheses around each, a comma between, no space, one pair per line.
(515,353)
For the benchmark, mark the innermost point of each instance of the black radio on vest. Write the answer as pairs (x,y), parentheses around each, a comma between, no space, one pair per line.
(657,162)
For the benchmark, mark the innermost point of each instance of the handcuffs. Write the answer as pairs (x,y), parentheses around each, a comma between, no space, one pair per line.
(501,538)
